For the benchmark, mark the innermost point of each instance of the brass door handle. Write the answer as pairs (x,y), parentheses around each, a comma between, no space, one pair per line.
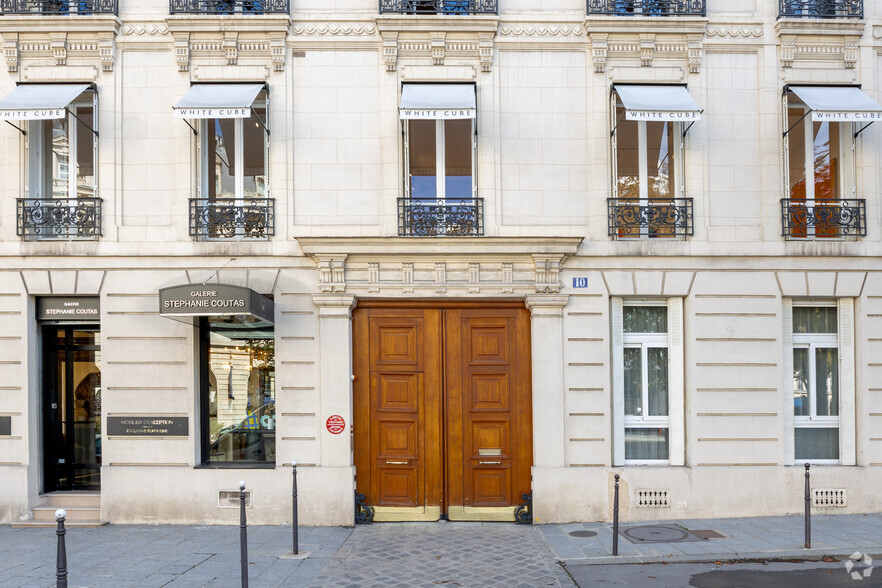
(497,462)
(389,462)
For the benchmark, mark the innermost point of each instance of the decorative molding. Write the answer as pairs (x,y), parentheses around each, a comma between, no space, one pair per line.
(206,41)
(334,30)
(648,49)
(30,41)
(440,278)
(140,29)
(332,272)
(10,51)
(539,30)
(438,41)
(735,32)
(818,44)
(548,269)
(182,51)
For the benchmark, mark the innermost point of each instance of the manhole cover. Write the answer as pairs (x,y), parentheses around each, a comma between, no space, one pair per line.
(658,534)
(583,534)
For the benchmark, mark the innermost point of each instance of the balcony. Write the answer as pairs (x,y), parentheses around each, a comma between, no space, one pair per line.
(229,218)
(647,7)
(58,218)
(650,219)
(220,7)
(422,217)
(821,8)
(62,7)
(449,7)
(823,219)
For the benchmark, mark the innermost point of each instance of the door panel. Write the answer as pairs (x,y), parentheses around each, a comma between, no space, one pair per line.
(427,444)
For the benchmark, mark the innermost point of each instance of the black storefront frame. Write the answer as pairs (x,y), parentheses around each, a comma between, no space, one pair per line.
(51,419)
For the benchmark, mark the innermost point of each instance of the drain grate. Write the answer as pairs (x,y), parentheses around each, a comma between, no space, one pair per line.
(658,534)
(583,534)
(707,534)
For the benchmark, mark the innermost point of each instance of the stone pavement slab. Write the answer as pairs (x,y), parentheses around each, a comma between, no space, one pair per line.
(743,539)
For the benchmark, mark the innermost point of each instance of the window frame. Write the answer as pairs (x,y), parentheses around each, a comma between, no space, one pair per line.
(672,340)
(35,153)
(847,184)
(845,344)
(440,158)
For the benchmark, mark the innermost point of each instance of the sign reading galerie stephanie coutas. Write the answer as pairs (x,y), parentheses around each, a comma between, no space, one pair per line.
(214,300)
(70,308)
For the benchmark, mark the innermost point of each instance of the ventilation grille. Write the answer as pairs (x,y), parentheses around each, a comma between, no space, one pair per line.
(653,498)
(829,497)
(230,499)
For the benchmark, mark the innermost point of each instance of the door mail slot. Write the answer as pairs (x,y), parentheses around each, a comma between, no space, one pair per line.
(488,452)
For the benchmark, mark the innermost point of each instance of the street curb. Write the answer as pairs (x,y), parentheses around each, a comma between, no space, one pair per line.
(805,555)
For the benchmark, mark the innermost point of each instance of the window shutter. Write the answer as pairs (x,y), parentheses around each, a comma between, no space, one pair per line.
(618,373)
(676,383)
(787,381)
(847,442)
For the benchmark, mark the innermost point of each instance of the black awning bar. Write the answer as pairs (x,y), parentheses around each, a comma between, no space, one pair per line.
(862,129)
(82,122)
(692,123)
(24,132)
(613,131)
(192,128)
(261,123)
(796,123)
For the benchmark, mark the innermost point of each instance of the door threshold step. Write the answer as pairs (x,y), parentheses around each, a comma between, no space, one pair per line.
(67,524)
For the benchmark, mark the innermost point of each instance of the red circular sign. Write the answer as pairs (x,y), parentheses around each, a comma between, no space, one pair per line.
(335,424)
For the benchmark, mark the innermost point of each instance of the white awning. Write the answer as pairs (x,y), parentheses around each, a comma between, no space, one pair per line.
(838,103)
(218,101)
(662,103)
(39,101)
(438,101)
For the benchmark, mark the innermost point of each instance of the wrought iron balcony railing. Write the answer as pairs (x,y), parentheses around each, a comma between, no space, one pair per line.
(650,218)
(822,8)
(823,219)
(453,7)
(58,7)
(58,218)
(452,217)
(229,6)
(229,218)
(647,7)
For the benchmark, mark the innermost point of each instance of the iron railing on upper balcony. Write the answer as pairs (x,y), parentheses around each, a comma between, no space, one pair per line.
(822,8)
(451,7)
(58,218)
(245,7)
(442,217)
(58,7)
(632,218)
(231,218)
(823,219)
(647,7)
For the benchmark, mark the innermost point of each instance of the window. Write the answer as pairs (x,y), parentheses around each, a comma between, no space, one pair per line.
(440,191)
(822,380)
(820,174)
(62,177)
(238,393)
(648,386)
(647,153)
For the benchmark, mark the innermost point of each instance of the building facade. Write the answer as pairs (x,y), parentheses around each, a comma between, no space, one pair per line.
(451,258)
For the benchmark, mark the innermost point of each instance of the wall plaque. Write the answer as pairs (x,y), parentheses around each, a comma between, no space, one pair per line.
(5,425)
(68,308)
(148,426)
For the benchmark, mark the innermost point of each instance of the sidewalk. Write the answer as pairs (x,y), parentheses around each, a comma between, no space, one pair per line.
(746,538)
(409,554)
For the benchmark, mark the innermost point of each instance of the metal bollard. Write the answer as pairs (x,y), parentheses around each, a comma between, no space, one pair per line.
(61,557)
(294,506)
(616,519)
(808,508)
(243,534)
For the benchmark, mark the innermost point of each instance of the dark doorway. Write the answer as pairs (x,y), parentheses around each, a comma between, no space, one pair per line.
(71,407)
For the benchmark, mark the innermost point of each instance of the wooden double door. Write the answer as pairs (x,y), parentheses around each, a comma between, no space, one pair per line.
(442,410)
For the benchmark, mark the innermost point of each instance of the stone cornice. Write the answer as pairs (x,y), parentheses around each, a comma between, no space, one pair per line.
(42,24)
(262,23)
(434,38)
(42,40)
(437,22)
(434,246)
(828,41)
(635,25)
(638,41)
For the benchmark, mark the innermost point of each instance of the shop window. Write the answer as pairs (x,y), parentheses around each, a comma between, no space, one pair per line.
(648,373)
(238,393)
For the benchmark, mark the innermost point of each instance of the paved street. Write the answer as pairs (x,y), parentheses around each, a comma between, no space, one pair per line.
(454,554)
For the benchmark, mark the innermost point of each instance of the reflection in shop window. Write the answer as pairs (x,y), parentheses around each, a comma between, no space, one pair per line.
(239,404)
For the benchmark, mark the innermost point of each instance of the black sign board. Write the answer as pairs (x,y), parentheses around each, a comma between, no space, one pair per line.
(68,308)
(215,300)
(5,425)
(148,426)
